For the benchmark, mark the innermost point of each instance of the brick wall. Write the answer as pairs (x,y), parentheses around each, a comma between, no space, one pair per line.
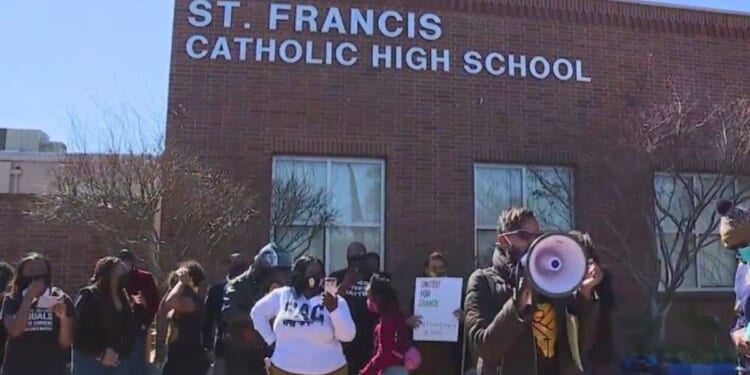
(73,250)
(431,127)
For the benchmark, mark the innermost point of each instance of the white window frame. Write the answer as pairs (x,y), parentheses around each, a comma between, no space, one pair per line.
(329,162)
(698,278)
(524,194)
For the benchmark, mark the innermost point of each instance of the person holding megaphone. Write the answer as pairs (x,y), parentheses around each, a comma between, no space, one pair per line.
(534,311)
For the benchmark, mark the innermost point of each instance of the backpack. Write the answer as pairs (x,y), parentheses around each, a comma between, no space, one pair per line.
(406,351)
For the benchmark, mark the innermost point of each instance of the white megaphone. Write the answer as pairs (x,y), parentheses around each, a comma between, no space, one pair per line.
(555,264)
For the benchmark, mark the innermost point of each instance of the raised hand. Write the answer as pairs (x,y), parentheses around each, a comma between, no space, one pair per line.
(330,302)
(36,289)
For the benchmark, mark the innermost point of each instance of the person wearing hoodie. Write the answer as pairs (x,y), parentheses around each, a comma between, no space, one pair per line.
(514,329)
(309,324)
(244,350)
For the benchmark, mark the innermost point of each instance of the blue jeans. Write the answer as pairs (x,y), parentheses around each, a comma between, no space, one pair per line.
(86,364)
(137,359)
(395,370)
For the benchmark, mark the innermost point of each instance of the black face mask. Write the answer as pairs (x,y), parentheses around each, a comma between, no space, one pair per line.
(235,271)
(25,281)
(355,261)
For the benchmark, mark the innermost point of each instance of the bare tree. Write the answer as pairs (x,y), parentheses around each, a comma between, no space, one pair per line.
(678,215)
(300,211)
(129,198)
(165,204)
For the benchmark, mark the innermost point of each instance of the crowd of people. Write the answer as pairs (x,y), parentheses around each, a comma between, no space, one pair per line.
(276,315)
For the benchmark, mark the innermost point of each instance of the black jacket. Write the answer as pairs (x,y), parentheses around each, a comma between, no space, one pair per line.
(99,326)
(213,328)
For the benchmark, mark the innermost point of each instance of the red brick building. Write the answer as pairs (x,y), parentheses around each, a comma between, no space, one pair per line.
(423,117)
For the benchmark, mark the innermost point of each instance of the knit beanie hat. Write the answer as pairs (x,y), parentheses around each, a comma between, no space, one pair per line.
(734,227)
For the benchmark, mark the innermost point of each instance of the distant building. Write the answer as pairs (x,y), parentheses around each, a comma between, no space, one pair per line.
(29,140)
(26,158)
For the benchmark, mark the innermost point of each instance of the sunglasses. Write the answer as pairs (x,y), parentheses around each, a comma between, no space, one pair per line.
(522,234)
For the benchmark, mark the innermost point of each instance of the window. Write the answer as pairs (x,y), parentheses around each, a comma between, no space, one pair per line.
(356,189)
(677,199)
(546,190)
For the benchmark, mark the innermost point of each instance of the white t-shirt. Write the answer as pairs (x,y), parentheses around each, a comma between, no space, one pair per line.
(308,338)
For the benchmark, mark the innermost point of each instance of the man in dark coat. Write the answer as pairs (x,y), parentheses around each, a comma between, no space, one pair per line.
(245,351)
(513,329)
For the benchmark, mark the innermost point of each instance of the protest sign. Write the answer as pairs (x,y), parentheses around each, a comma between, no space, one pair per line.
(436,300)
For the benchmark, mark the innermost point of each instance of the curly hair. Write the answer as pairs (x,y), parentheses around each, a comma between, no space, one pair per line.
(297,279)
(195,271)
(513,219)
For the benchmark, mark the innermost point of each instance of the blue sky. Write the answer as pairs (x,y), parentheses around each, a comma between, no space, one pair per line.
(88,60)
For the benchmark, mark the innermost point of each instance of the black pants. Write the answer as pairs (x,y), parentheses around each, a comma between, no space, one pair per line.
(244,362)
(186,361)
(357,355)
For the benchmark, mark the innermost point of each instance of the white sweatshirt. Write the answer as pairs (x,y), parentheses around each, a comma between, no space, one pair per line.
(308,338)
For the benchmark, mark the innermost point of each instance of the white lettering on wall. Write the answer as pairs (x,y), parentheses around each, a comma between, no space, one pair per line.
(200,13)
(276,13)
(311,20)
(228,8)
(190,47)
(539,67)
(334,20)
(497,64)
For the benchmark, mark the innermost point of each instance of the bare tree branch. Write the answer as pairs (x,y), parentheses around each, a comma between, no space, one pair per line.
(121,197)
(300,212)
(680,220)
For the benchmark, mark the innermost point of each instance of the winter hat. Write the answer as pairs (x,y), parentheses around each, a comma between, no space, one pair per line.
(734,227)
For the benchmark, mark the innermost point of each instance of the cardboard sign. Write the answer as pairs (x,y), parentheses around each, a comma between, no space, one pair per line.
(436,300)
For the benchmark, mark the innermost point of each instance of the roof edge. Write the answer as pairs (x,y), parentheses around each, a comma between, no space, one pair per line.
(685,7)
(633,14)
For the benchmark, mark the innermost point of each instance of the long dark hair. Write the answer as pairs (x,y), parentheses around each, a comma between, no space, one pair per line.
(602,351)
(102,278)
(297,279)
(383,293)
(30,257)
